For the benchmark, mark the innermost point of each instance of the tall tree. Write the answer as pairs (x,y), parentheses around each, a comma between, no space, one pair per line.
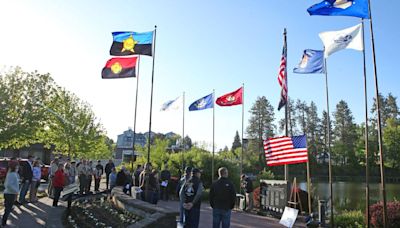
(323,131)
(345,135)
(391,139)
(313,122)
(261,126)
(236,143)
(292,125)
(302,108)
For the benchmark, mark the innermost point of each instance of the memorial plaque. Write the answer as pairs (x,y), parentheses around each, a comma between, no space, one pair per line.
(273,195)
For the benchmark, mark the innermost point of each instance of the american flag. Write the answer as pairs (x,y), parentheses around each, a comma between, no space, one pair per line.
(282,77)
(286,150)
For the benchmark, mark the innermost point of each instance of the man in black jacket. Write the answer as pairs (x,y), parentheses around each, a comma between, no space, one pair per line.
(26,178)
(108,169)
(222,199)
(247,186)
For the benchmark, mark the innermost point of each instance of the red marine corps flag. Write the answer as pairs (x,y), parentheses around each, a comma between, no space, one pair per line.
(230,99)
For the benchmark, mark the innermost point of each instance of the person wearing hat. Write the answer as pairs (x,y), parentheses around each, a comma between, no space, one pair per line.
(191,196)
(181,183)
(11,188)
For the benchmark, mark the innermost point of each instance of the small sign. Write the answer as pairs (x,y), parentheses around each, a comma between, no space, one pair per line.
(289,217)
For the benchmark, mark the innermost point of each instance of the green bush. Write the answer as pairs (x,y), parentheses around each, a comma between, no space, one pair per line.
(350,219)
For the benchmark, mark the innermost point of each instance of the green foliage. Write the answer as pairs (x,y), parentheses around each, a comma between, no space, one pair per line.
(350,219)
(391,139)
(236,142)
(34,109)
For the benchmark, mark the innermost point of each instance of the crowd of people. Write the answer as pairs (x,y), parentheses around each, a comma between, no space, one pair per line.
(149,184)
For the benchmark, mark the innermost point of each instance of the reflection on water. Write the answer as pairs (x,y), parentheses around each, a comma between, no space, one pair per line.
(350,195)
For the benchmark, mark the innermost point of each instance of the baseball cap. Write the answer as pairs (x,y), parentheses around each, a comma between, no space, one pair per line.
(196,170)
(188,169)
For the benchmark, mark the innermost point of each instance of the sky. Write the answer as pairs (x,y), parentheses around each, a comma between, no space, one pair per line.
(201,46)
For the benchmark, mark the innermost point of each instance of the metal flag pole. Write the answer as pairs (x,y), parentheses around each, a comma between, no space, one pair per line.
(183,132)
(213,140)
(378,108)
(287,100)
(241,156)
(134,120)
(366,133)
(329,142)
(151,96)
(309,185)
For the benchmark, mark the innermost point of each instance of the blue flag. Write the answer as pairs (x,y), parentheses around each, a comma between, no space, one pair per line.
(203,103)
(312,62)
(352,8)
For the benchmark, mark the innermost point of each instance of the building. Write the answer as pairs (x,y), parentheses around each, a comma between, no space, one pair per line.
(37,150)
(124,147)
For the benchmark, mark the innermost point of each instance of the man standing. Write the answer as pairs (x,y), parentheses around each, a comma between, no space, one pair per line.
(108,169)
(137,173)
(222,199)
(97,176)
(191,196)
(26,176)
(89,176)
(182,181)
(53,169)
(165,177)
(82,170)
(247,186)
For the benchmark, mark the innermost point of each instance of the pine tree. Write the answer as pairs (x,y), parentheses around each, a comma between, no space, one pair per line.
(345,135)
(236,143)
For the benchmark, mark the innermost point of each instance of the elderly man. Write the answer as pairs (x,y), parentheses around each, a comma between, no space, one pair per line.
(191,196)
(222,199)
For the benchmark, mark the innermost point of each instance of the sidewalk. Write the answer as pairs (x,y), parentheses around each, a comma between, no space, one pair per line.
(239,219)
(40,214)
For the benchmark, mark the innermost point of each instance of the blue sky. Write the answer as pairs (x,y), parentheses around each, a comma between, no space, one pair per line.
(201,46)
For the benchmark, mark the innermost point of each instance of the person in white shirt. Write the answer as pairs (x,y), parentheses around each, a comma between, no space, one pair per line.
(11,189)
(37,175)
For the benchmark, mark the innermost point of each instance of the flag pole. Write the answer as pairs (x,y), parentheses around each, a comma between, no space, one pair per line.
(286,169)
(366,133)
(241,156)
(151,96)
(183,132)
(134,120)
(329,143)
(308,186)
(213,147)
(378,108)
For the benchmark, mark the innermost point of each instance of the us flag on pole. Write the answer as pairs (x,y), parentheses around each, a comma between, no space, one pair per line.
(282,76)
(286,150)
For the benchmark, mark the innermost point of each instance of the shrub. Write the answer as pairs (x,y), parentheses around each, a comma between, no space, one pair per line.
(350,219)
(393,214)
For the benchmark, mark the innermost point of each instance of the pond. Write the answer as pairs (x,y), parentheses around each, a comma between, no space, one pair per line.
(351,195)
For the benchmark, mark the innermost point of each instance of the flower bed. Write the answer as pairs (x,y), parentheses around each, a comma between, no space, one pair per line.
(98,213)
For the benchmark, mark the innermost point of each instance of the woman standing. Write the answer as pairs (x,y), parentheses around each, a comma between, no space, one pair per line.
(58,184)
(11,185)
(37,175)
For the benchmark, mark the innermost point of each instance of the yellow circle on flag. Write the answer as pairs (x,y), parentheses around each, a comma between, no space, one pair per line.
(116,68)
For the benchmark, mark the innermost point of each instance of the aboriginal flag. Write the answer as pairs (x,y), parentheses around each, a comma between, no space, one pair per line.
(119,68)
(132,43)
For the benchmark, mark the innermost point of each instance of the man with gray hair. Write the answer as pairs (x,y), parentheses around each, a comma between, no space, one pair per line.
(222,199)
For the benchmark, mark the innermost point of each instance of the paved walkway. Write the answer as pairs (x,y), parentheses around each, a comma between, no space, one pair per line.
(239,219)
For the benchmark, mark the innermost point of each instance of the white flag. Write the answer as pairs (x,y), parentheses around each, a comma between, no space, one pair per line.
(350,38)
(172,104)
